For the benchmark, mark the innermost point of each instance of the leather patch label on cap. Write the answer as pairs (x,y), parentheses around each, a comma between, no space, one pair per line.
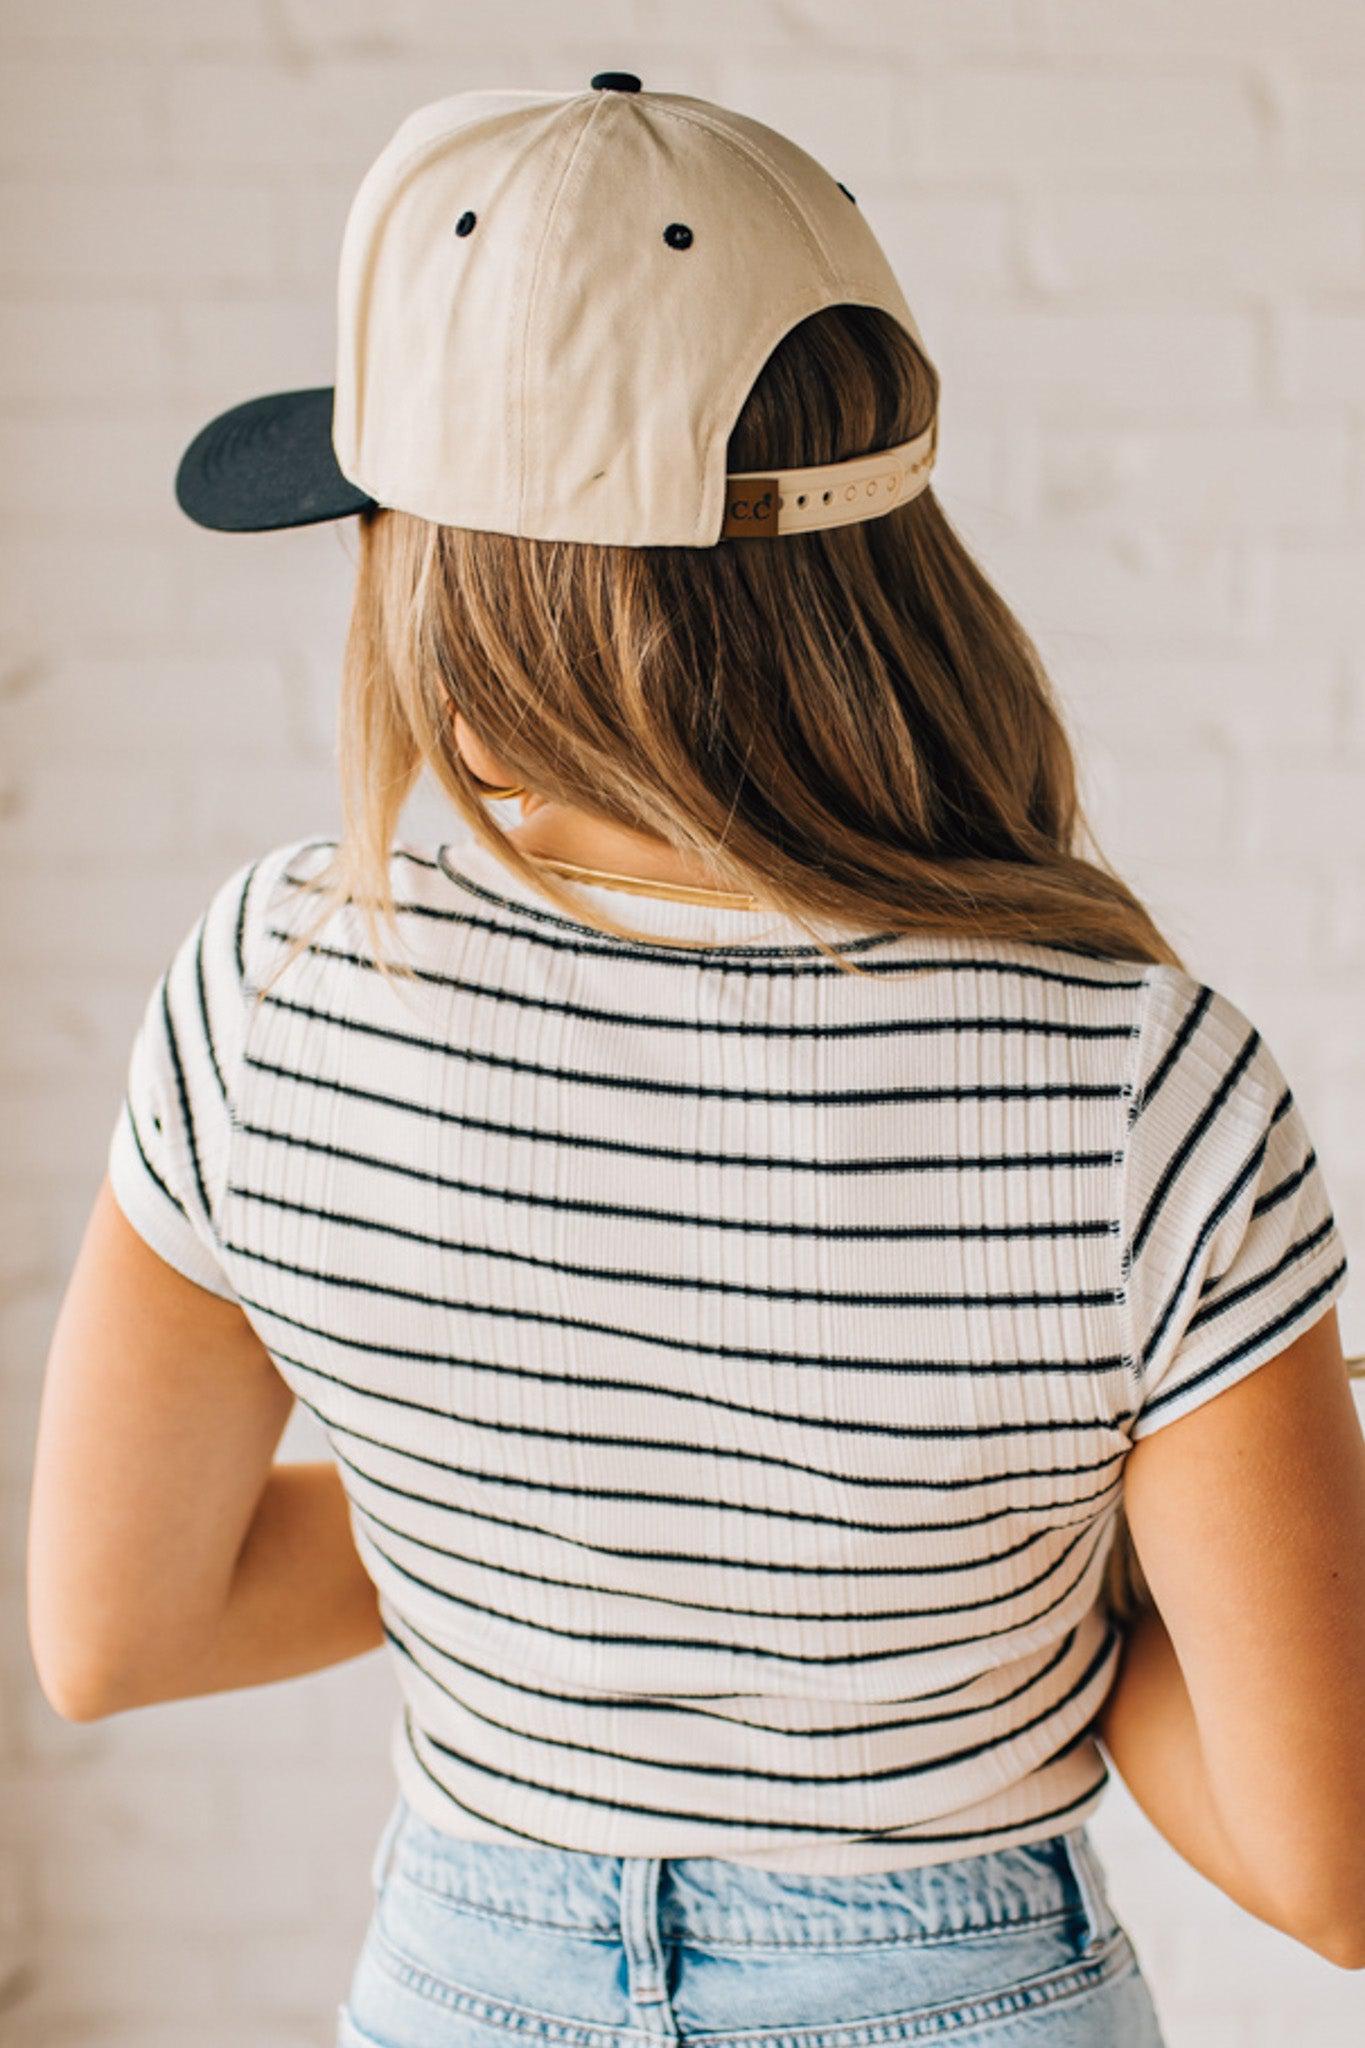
(750,508)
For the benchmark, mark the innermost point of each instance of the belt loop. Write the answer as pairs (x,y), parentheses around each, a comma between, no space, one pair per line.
(640,1937)
(1088,1875)
(383,1855)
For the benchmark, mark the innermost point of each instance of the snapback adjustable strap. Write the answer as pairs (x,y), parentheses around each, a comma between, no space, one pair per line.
(764,503)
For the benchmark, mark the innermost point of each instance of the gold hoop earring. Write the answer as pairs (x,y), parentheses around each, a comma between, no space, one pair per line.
(486,789)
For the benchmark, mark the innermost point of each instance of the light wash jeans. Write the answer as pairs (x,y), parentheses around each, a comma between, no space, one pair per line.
(490,1944)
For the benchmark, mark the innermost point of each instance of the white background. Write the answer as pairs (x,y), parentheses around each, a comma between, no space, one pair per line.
(1134,239)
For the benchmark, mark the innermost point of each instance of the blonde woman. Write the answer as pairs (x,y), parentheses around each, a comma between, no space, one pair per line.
(824,1328)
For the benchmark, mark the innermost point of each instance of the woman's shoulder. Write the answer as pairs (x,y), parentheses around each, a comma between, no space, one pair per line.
(1197,1042)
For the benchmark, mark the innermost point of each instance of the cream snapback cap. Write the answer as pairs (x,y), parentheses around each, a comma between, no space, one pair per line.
(550,310)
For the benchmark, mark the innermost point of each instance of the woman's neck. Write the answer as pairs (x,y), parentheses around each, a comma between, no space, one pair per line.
(554,833)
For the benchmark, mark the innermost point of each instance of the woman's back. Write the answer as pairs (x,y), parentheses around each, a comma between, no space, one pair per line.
(730,1360)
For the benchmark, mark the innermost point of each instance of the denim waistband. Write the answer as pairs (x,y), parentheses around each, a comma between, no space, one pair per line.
(710,1901)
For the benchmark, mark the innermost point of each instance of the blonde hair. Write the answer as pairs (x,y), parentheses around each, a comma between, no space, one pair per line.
(848,724)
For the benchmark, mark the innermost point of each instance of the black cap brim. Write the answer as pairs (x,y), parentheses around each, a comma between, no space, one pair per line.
(267,464)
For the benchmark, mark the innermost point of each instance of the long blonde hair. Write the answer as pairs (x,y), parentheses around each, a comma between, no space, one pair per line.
(848,724)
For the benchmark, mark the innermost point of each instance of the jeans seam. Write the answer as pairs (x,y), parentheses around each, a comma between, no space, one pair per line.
(497,2011)
(592,1930)
(1108,1959)
(948,1937)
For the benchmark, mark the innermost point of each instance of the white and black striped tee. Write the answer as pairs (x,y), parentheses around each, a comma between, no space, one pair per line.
(730,1361)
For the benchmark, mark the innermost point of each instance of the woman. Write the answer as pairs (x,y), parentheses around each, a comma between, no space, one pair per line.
(749,1330)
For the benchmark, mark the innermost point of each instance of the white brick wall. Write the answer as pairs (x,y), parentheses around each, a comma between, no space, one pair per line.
(1135,241)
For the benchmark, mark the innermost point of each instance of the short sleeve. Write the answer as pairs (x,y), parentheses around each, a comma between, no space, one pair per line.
(168,1152)
(1230,1245)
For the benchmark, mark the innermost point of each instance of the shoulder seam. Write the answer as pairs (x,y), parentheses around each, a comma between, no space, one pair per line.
(260,878)
(274,865)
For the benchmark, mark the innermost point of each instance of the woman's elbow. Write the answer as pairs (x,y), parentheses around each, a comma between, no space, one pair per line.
(76,1683)
(77,1695)
(1343,1947)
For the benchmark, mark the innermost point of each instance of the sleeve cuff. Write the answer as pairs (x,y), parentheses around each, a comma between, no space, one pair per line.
(157,1217)
(1250,1335)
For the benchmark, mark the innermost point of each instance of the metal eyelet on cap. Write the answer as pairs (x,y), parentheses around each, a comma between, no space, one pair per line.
(465,224)
(678,235)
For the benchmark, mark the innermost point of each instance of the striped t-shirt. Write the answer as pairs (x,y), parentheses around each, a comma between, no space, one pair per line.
(730,1361)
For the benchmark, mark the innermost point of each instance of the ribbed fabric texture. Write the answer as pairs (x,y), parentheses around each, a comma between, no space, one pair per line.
(730,1361)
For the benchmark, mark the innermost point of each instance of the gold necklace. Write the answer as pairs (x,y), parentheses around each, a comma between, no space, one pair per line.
(677,892)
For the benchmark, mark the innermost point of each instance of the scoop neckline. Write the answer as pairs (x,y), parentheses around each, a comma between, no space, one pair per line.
(472,865)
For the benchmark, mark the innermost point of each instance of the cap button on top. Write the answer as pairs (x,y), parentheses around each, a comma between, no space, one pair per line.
(615,81)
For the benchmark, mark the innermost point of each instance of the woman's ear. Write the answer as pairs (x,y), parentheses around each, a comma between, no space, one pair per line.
(478,758)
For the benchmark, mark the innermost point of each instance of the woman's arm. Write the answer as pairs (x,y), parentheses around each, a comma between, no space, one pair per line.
(1239,1731)
(1149,1731)
(299,1599)
(168,1554)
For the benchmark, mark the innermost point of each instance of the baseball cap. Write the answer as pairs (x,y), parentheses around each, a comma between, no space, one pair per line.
(551,308)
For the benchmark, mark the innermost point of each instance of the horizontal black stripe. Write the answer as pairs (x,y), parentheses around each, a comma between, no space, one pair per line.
(633,1022)
(594,1141)
(740,1650)
(776,1569)
(897,1233)
(1010,1368)
(1073,1297)
(984,1835)
(890,1774)
(457,1599)
(581,1439)
(687,1283)
(739,1506)
(544,1841)
(684,1703)
(728,1771)
(651,1084)
(503,1827)
(524,1527)
(717,1027)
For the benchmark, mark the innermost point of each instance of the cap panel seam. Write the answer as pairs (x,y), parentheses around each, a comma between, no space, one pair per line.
(523,382)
